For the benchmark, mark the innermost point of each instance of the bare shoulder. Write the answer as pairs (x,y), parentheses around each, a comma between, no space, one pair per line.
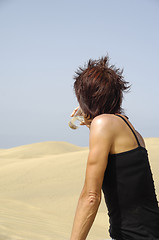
(104,124)
(104,120)
(102,134)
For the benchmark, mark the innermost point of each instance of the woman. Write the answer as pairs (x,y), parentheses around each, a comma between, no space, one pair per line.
(117,161)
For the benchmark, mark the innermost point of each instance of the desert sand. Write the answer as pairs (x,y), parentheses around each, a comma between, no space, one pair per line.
(39,189)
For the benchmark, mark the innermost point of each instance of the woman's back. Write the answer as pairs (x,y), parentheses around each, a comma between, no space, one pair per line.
(125,139)
(128,187)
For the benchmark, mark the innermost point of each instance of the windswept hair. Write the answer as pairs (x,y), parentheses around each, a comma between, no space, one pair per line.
(99,87)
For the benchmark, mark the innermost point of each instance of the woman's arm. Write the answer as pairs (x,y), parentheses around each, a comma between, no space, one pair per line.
(89,200)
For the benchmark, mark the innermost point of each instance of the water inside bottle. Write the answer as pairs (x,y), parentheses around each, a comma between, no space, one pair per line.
(74,123)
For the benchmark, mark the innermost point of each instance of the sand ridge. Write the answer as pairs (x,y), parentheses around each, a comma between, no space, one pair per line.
(39,149)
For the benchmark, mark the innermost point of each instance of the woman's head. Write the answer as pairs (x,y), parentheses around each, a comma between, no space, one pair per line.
(99,88)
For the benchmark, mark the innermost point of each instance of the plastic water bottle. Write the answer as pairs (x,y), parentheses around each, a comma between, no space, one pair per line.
(74,123)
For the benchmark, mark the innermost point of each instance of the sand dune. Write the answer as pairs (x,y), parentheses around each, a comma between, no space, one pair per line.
(39,150)
(39,188)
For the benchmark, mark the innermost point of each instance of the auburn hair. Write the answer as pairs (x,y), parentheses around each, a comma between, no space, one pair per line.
(99,87)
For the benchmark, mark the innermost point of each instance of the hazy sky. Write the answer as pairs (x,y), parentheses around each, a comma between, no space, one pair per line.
(43,42)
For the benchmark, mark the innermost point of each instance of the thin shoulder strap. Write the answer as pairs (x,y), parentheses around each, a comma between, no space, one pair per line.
(130,128)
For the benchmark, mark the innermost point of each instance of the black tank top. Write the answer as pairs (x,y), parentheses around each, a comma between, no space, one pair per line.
(130,197)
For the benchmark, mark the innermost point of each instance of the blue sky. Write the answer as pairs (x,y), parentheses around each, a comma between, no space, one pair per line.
(43,42)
